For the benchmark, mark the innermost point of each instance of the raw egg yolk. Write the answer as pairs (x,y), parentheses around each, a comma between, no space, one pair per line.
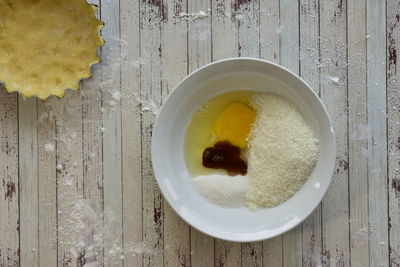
(234,123)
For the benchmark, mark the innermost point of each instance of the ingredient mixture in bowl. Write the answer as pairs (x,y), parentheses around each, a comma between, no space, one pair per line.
(249,149)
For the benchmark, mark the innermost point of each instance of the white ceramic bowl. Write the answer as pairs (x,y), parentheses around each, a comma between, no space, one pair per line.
(169,163)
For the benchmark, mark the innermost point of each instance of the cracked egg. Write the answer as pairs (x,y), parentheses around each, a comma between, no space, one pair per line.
(47,46)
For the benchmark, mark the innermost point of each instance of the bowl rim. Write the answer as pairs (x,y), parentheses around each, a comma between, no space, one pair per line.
(259,236)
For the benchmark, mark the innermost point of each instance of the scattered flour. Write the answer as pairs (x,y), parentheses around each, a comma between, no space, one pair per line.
(282,152)
(335,80)
(49,147)
(224,190)
(195,15)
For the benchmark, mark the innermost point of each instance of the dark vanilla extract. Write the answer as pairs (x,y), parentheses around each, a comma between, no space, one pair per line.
(224,155)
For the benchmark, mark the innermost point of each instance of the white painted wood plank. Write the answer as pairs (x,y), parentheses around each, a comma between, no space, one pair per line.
(289,34)
(152,13)
(174,44)
(247,16)
(309,43)
(201,249)
(68,112)
(252,254)
(199,35)
(273,252)
(92,168)
(309,71)
(289,57)
(199,54)
(47,187)
(377,141)
(9,215)
(227,254)
(131,133)
(393,91)
(358,132)
(112,167)
(224,44)
(270,50)
(269,30)
(92,164)
(335,213)
(174,57)
(224,30)
(28,181)
(292,247)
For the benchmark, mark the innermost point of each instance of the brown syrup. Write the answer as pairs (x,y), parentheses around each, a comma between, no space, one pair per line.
(224,155)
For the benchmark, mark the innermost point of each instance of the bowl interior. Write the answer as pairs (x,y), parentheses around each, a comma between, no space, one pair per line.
(168,150)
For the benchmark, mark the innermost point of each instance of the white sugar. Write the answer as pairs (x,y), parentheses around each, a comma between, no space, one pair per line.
(223,190)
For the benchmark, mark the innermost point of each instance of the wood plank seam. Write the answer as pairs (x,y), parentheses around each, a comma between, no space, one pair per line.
(348,139)
(57,183)
(393,77)
(38,184)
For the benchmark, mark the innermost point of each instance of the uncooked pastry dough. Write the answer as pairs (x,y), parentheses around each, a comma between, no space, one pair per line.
(47,46)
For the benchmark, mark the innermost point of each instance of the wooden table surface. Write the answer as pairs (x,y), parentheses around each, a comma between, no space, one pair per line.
(76,183)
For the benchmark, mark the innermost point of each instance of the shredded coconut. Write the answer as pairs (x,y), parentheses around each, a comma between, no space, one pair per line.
(282,152)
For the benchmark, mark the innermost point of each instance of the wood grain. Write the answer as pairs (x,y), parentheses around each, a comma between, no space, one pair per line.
(227,254)
(377,141)
(393,108)
(270,50)
(333,51)
(269,30)
(309,71)
(289,57)
(224,30)
(93,165)
(358,138)
(131,133)
(28,181)
(68,112)
(47,187)
(273,252)
(199,52)
(177,232)
(92,168)
(152,14)
(9,193)
(247,15)
(112,157)
(225,44)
